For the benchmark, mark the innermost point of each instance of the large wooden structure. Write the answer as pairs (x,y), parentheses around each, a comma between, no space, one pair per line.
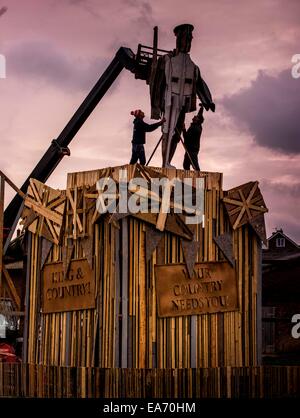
(123,328)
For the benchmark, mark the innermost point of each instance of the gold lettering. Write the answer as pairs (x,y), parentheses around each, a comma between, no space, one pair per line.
(87,288)
(175,303)
(182,304)
(188,304)
(67,289)
(224,300)
(185,273)
(176,292)
(220,283)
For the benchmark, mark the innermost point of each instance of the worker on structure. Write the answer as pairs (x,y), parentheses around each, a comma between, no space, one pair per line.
(139,136)
(192,142)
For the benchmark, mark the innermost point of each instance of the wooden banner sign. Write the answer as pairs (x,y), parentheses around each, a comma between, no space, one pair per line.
(74,291)
(212,288)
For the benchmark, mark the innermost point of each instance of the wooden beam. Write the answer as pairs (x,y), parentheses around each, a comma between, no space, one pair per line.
(73,203)
(161,220)
(12,185)
(13,313)
(124,338)
(233,201)
(12,288)
(43,210)
(164,209)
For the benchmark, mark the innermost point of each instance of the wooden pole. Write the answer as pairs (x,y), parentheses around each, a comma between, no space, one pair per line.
(4,178)
(177,131)
(12,185)
(124,341)
(12,289)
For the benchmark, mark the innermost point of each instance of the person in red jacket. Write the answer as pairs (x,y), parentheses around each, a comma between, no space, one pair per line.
(139,136)
(8,354)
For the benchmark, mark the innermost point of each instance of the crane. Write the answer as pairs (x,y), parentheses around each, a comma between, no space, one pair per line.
(141,64)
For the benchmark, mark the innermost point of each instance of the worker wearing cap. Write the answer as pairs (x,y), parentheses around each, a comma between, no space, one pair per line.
(139,136)
(192,142)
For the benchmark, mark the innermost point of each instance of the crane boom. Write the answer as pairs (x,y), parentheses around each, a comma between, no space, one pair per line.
(58,148)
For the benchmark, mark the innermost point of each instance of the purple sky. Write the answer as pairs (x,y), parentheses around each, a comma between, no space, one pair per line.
(56,50)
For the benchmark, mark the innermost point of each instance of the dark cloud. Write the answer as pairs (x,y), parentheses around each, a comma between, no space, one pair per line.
(3,10)
(145,17)
(39,60)
(269,108)
(282,188)
(290,227)
(142,13)
(85,5)
(139,17)
(282,197)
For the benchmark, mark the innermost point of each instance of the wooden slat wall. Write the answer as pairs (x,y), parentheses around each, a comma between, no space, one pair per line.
(31,380)
(124,329)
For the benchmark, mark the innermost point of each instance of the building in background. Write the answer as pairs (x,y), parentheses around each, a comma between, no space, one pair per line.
(280,299)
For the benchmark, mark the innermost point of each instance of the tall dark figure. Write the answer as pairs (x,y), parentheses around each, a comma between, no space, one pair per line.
(176,85)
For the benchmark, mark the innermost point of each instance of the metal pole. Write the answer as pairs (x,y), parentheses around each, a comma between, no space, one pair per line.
(170,135)
(154,57)
(151,156)
(148,162)
(186,149)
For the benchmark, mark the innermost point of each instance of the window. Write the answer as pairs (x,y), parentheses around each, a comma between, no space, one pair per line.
(280,242)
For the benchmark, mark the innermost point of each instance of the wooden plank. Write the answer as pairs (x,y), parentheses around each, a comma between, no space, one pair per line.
(124,342)
(161,219)
(12,185)
(73,203)
(27,301)
(228,382)
(12,289)
(42,210)
(117,299)
(258,303)
(142,299)
(194,341)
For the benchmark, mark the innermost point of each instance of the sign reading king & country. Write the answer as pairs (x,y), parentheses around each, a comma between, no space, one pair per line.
(213,288)
(62,293)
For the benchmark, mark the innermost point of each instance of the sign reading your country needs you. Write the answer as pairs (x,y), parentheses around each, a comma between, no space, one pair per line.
(213,288)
